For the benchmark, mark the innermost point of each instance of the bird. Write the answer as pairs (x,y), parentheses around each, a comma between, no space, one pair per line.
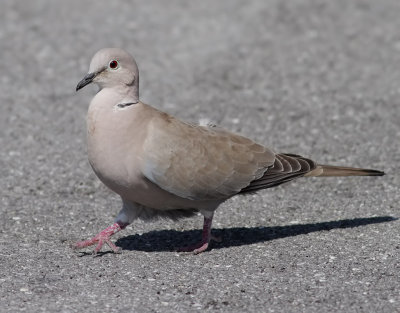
(163,167)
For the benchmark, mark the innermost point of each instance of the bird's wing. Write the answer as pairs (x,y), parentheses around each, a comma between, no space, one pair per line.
(285,168)
(201,163)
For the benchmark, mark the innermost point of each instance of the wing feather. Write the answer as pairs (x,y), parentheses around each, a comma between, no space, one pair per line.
(201,163)
(285,168)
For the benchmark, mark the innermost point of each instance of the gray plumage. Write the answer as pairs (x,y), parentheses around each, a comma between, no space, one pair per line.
(163,167)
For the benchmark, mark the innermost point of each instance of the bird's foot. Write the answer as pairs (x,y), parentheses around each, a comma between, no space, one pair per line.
(199,247)
(101,238)
(205,239)
(196,249)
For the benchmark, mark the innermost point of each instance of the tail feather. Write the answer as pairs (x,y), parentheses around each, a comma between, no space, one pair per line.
(330,170)
(291,166)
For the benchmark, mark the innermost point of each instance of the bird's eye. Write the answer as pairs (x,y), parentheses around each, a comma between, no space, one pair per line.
(113,64)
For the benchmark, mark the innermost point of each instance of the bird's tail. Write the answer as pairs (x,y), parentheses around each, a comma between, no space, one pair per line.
(330,170)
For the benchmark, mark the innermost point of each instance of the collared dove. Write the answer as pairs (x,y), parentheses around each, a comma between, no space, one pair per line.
(163,167)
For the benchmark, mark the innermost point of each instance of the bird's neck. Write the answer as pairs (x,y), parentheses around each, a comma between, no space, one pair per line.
(127,93)
(117,96)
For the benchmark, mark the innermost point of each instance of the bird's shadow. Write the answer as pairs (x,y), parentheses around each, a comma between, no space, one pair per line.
(169,240)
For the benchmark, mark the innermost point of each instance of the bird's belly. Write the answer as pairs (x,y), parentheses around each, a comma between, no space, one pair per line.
(123,175)
(136,188)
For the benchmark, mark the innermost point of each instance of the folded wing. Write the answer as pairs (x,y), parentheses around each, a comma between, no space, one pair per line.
(201,163)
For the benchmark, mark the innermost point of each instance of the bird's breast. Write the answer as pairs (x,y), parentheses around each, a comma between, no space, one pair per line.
(113,146)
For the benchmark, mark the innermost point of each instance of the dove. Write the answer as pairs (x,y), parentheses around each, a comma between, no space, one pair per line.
(163,167)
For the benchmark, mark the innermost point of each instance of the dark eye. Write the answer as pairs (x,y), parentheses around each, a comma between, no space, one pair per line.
(113,64)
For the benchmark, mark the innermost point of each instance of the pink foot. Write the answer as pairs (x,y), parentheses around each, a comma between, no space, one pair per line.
(196,249)
(101,238)
(205,241)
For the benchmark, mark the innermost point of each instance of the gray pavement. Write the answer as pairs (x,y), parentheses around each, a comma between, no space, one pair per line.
(318,78)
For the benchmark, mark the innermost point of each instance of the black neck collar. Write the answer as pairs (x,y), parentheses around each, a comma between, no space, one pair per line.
(127,104)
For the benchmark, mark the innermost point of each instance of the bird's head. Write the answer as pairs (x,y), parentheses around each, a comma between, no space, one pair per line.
(111,67)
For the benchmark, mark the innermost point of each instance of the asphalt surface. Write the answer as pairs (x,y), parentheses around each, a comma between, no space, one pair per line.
(317,78)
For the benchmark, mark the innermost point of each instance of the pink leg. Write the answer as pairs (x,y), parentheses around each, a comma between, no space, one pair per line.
(101,238)
(205,240)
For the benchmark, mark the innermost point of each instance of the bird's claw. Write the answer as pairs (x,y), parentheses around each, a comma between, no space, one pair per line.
(100,239)
(196,249)
(201,246)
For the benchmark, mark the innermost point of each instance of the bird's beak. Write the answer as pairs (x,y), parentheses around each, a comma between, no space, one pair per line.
(85,81)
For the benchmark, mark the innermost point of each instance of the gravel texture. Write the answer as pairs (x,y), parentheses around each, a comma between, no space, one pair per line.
(317,78)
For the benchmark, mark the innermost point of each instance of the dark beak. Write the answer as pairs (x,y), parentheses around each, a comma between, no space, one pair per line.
(85,81)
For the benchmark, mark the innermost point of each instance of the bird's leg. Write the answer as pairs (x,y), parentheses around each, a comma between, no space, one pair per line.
(205,238)
(125,217)
(101,238)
